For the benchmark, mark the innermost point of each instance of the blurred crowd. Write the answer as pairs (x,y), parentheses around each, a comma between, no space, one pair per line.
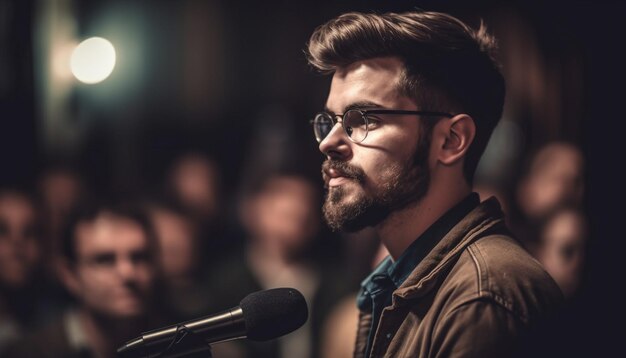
(81,274)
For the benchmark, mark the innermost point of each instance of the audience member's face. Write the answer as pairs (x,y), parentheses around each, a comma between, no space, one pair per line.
(19,245)
(285,217)
(556,178)
(176,243)
(113,272)
(194,180)
(562,250)
(60,190)
(369,180)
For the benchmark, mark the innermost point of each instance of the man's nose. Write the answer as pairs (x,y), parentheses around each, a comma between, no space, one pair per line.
(126,269)
(336,145)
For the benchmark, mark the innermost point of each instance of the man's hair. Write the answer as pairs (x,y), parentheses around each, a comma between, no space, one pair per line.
(449,67)
(89,212)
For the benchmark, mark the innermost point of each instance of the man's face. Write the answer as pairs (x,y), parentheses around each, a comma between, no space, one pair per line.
(177,246)
(556,179)
(113,270)
(19,245)
(563,249)
(284,216)
(367,181)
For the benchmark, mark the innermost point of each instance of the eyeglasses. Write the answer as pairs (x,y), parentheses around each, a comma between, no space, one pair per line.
(355,122)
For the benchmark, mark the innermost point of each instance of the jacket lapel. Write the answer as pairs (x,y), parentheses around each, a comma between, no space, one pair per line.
(428,274)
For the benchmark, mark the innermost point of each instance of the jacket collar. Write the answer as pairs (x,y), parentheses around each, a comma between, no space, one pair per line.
(431,270)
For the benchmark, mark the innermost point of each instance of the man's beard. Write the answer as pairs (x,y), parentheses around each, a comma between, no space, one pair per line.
(404,185)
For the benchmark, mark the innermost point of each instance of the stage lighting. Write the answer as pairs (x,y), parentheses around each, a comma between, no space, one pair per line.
(93,60)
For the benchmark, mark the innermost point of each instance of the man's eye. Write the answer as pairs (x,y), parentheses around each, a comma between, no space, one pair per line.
(104,260)
(140,257)
(373,121)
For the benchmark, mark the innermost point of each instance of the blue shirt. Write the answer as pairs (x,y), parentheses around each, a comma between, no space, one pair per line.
(378,287)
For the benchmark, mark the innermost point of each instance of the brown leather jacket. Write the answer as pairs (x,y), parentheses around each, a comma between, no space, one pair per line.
(474,295)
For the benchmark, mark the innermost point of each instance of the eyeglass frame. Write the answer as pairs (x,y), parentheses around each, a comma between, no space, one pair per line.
(364,113)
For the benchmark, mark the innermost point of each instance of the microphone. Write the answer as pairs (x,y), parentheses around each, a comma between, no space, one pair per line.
(260,316)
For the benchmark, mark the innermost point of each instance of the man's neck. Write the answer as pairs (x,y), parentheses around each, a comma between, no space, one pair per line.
(402,227)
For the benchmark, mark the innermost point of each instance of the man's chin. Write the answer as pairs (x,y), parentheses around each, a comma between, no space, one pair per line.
(130,313)
(352,215)
(128,309)
(349,224)
(353,226)
(347,193)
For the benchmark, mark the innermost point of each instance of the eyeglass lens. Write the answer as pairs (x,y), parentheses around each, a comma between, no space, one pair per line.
(354,124)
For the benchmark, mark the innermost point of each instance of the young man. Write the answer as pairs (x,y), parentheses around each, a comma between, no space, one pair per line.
(413,101)
(107,265)
(22,306)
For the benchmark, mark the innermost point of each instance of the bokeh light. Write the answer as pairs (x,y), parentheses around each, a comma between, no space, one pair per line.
(93,60)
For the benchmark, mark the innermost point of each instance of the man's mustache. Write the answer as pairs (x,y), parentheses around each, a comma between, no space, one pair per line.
(343,169)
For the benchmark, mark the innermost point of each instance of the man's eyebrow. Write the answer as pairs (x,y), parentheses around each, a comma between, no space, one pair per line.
(357,105)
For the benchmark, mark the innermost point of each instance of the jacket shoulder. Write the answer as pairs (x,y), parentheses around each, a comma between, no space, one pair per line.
(497,268)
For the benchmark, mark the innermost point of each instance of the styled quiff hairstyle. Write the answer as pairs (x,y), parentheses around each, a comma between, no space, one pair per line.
(449,67)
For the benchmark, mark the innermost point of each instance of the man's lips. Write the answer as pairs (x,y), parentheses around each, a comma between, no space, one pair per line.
(334,177)
(337,181)
(339,173)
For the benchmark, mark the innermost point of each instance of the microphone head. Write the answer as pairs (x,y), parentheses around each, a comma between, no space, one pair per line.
(272,313)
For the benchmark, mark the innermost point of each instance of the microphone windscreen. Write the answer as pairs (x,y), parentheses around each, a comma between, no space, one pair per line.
(272,313)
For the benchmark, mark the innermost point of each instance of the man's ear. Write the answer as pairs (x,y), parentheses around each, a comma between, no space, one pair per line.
(67,275)
(459,132)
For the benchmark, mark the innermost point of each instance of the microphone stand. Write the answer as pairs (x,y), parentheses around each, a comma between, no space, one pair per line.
(185,343)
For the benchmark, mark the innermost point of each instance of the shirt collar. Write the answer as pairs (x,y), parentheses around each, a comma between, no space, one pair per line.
(402,268)
(399,270)
(75,333)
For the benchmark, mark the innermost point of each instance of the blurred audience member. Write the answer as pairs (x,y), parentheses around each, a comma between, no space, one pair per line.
(179,257)
(340,328)
(554,178)
(21,301)
(108,268)
(194,181)
(561,248)
(281,217)
(61,189)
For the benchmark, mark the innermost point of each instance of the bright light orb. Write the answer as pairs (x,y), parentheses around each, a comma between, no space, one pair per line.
(93,60)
